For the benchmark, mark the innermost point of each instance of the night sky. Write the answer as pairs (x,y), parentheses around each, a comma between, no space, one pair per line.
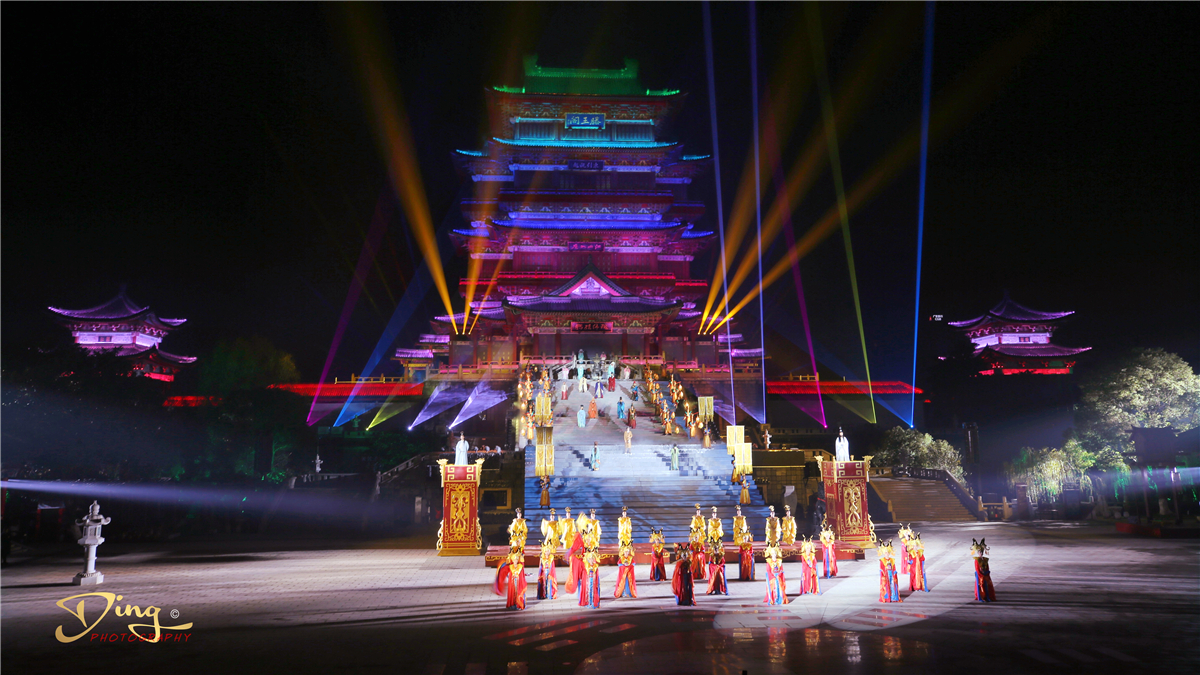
(221,161)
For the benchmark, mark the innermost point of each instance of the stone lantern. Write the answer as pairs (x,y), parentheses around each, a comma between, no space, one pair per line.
(91,539)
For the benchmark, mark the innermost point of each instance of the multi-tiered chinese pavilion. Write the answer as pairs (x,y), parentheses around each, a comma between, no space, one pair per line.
(131,331)
(581,231)
(1011,338)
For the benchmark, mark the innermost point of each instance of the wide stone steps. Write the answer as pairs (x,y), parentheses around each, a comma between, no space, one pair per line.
(917,500)
(643,482)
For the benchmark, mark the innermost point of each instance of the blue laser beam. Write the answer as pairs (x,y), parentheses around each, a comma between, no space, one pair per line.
(712,116)
(762,331)
(926,93)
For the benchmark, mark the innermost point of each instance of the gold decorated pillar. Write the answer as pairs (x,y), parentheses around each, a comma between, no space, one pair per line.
(460,533)
(846,501)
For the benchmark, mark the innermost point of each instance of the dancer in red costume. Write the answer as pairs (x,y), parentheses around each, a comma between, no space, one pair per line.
(696,538)
(681,580)
(984,591)
(589,589)
(889,585)
(917,581)
(716,569)
(828,541)
(547,588)
(658,556)
(808,570)
(746,555)
(510,579)
(626,583)
(903,534)
(577,551)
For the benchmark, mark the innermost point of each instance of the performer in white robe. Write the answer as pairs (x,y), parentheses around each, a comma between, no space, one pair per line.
(842,447)
(460,450)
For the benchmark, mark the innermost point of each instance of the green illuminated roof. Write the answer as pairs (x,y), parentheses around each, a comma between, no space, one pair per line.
(583,81)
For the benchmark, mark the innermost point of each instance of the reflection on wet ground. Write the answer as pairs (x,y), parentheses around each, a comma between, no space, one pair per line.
(777,651)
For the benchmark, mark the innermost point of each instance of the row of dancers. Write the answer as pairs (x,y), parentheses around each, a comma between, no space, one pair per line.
(703,559)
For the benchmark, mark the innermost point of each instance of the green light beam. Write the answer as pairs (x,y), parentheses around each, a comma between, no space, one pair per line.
(835,164)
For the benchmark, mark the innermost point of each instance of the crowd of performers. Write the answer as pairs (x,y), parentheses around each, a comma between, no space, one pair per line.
(664,398)
(702,559)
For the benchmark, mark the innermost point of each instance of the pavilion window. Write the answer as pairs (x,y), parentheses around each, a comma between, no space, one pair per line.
(1023,339)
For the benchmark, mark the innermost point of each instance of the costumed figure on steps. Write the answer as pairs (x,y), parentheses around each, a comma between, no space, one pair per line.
(984,591)
(518,531)
(744,496)
(707,444)
(696,541)
(592,411)
(787,527)
(621,408)
(595,455)
(772,529)
(628,439)
(624,528)
(674,456)
(581,417)
(544,499)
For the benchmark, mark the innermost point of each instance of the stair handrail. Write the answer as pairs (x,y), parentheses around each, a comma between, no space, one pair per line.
(407,464)
(964,497)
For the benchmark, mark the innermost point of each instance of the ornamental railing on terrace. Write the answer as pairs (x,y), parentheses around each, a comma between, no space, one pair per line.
(354,379)
(476,369)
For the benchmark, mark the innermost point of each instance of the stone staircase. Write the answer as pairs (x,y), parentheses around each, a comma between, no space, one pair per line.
(643,481)
(921,500)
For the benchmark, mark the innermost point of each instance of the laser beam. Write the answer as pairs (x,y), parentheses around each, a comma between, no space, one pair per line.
(926,87)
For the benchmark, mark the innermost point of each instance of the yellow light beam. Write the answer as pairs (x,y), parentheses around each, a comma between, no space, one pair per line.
(364,26)
(951,111)
(877,53)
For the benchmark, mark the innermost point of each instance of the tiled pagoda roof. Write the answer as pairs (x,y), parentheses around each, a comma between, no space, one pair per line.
(1032,351)
(604,305)
(1010,311)
(119,308)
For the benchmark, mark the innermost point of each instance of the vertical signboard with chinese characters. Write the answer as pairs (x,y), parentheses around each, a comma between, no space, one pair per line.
(846,501)
(460,533)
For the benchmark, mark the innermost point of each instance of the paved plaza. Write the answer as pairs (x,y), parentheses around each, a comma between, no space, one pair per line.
(1071,598)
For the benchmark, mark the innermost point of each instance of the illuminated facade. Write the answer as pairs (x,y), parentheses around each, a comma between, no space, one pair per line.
(1011,338)
(131,331)
(581,230)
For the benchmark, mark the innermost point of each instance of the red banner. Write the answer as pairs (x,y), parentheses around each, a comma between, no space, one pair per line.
(459,534)
(846,501)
